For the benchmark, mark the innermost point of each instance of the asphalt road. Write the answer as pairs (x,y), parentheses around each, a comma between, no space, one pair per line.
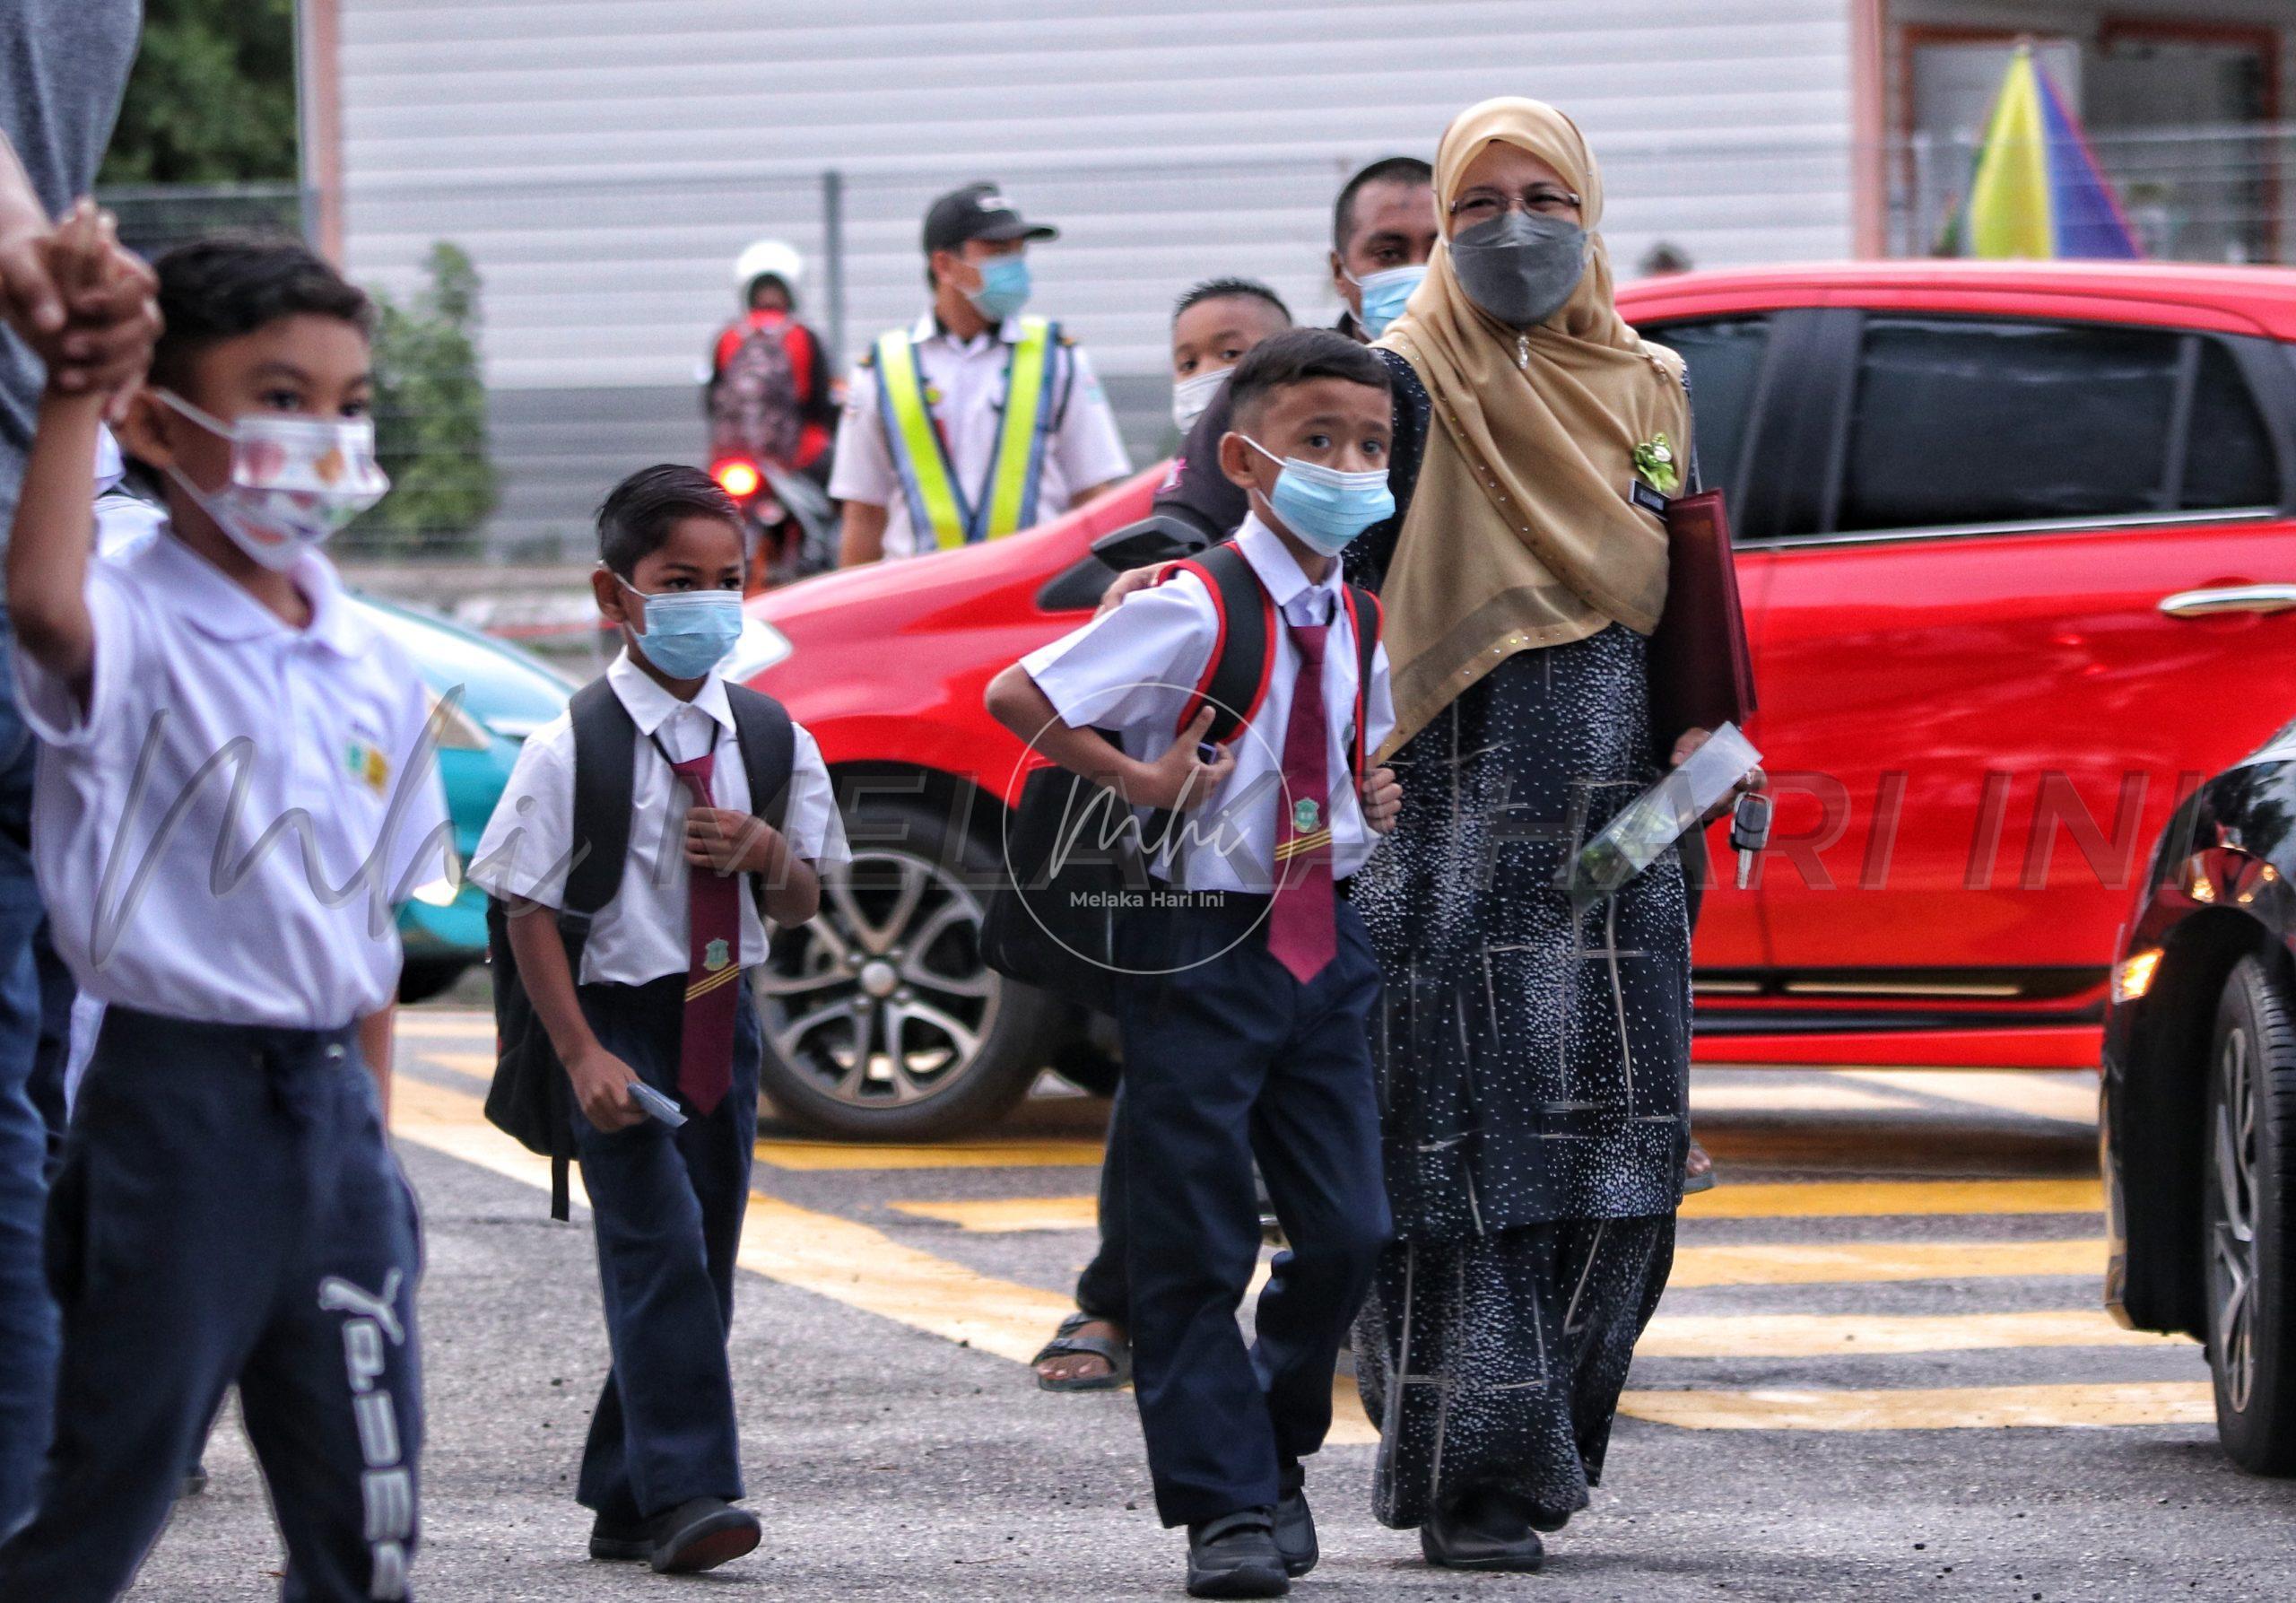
(1881,1372)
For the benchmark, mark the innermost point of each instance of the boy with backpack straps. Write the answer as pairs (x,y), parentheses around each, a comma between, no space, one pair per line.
(631,825)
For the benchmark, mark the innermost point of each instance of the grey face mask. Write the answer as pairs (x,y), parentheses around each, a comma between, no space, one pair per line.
(1519,267)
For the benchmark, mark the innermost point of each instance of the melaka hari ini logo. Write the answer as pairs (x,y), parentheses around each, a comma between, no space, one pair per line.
(1145,854)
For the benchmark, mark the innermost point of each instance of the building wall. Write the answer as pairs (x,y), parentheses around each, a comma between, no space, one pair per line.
(603,161)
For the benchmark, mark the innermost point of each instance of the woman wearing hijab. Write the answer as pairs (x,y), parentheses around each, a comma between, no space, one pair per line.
(1533,1059)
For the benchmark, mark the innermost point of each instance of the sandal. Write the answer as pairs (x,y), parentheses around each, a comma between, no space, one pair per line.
(1697,1170)
(1066,1340)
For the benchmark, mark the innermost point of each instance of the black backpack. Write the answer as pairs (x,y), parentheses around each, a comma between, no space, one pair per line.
(1070,872)
(531,1099)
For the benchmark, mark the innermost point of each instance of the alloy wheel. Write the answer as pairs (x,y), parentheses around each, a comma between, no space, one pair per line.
(2232,1265)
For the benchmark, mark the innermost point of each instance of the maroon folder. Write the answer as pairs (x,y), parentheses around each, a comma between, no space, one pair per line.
(1701,672)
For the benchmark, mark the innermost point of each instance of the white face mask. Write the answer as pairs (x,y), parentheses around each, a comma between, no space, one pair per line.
(1191,396)
(295,482)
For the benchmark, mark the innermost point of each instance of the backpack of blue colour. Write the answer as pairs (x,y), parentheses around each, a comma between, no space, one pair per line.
(531,1099)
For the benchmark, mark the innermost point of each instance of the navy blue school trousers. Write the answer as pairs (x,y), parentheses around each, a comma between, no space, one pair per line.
(667,1205)
(1228,1058)
(227,1211)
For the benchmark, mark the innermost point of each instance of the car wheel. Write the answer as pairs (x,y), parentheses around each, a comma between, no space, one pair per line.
(2248,1220)
(882,1021)
(420,978)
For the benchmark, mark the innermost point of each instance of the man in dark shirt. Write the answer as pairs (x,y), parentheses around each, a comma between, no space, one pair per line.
(1384,220)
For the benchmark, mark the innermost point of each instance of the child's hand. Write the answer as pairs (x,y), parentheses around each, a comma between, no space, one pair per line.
(109,296)
(602,1086)
(1180,779)
(1382,799)
(732,843)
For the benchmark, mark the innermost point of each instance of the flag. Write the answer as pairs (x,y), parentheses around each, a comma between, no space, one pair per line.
(2037,192)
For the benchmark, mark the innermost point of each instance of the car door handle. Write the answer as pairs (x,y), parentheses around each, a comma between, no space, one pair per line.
(2230,599)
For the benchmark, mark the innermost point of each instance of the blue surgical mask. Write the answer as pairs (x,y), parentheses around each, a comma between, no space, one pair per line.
(1384,295)
(687,633)
(1323,506)
(1004,287)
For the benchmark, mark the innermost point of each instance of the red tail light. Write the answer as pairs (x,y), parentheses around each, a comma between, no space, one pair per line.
(738,477)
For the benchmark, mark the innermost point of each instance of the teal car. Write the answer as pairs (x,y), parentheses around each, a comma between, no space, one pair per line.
(507,694)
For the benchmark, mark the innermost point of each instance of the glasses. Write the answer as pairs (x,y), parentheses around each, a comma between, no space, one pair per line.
(1540,200)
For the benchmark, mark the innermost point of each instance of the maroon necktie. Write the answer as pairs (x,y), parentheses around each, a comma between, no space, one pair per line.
(1300,932)
(713,965)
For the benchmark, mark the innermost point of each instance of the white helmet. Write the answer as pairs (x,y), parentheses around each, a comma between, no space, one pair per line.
(768,259)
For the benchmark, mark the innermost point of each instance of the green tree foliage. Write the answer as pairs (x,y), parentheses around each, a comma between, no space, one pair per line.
(213,97)
(431,416)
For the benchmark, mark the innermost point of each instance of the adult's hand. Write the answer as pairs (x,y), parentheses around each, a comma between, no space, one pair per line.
(110,299)
(30,301)
(1125,583)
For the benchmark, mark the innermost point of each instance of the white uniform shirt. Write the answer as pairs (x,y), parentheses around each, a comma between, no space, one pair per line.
(967,376)
(1134,668)
(325,726)
(642,934)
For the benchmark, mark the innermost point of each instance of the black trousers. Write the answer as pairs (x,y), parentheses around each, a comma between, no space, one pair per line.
(1228,1058)
(668,1206)
(227,1211)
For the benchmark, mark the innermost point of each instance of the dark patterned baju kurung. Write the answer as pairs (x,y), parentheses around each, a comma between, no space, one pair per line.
(1533,1068)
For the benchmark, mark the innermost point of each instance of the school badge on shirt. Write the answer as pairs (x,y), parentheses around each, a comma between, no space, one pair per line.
(1304,813)
(365,761)
(715,957)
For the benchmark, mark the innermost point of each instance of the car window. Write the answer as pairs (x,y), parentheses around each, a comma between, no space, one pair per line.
(2229,462)
(1966,421)
(1724,363)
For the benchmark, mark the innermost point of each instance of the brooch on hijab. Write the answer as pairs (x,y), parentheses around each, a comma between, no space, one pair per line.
(1653,460)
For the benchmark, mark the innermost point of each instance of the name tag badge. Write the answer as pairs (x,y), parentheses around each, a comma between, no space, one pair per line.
(1647,499)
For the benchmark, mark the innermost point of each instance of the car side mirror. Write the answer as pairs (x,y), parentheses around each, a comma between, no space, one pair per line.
(1159,537)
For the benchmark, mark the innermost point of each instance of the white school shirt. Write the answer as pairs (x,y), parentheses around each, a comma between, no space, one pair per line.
(1083,449)
(1134,668)
(642,934)
(326,727)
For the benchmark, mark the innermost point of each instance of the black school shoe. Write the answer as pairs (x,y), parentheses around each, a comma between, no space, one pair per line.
(1295,1526)
(1235,1556)
(613,1540)
(700,1534)
(1483,1530)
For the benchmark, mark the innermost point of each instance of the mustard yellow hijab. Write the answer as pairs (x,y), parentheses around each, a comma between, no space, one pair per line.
(1520,534)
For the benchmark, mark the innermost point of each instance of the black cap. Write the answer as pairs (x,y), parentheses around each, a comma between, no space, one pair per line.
(977,211)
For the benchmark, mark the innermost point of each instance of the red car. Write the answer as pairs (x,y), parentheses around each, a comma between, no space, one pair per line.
(2018,552)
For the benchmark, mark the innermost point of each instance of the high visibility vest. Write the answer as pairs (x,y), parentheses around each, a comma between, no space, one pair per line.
(1006,498)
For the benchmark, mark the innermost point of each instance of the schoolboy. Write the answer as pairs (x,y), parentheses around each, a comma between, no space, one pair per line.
(238,787)
(1244,1019)
(663,999)
(1215,325)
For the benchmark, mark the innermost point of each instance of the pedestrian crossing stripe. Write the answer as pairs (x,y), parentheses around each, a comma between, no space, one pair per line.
(1934,1408)
(1843,1263)
(1872,1335)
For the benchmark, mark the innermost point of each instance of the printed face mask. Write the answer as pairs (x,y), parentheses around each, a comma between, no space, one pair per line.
(687,633)
(1004,287)
(1384,295)
(1324,506)
(294,480)
(1190,396)
(1518,267)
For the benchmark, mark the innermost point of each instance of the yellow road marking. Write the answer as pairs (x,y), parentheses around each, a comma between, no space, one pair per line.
(469,1063)
(1944,1408)
(1050,1153)
(1872,1198)
(1819,1263)
(1792,1098)
(2039,1095)
(1000,1215)
(446,1021)
(1850,1334)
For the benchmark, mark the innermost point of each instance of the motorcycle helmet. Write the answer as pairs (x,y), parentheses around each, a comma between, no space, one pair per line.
(768,259)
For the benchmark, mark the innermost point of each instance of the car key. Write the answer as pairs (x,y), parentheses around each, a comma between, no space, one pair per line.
(661,1107)
(1749,832)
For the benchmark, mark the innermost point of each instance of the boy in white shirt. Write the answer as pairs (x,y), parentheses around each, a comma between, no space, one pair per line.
(1251,981)
(663,999)
(237,790)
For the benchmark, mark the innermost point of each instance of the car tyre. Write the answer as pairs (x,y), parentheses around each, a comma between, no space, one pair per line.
(893,961)
(2248,1219)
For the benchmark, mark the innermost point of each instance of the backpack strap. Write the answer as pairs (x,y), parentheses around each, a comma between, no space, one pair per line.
(1243,659)
(605,756)
(768,742)
(1366,619)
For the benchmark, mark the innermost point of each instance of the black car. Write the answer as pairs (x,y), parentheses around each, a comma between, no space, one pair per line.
(2199,1127)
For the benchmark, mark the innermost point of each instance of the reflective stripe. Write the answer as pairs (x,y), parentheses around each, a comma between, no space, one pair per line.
(937,502)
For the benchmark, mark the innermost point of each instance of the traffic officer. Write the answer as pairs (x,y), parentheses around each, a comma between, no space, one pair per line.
(977,421)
